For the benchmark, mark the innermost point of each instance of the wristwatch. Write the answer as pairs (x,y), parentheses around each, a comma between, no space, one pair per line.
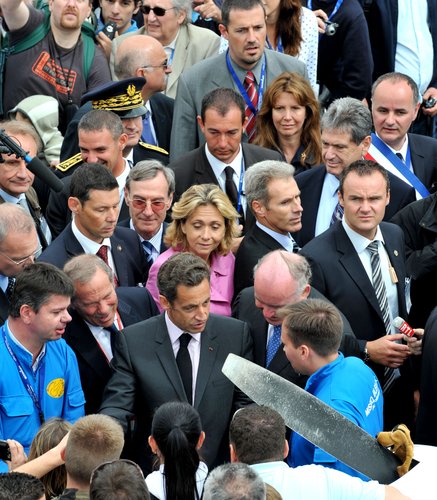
(366,356)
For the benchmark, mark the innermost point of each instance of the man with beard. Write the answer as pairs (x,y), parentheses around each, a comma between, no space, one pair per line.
(63,62)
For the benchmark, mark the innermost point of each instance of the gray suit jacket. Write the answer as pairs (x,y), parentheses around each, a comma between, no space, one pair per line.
(193,45)
(146,376)
(206,76)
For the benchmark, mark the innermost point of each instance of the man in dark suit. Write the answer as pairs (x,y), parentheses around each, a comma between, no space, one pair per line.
(101,140)
(98,311)
(94,200)
(180,359)
(18,247)
(243,25)
(346,128)
(395,104)
(274,198)
(345,269)
(148,194)
(258,306)
(222,119)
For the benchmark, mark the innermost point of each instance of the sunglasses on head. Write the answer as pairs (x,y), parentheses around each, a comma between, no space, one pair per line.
(158,11)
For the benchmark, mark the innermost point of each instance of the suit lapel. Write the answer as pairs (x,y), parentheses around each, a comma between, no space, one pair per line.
(208,354)
(204,173)
(165,354)
(418,160)
(72,245)
(120,259)
(179,57)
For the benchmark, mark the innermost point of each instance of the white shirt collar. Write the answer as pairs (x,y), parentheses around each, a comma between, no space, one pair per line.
(89,246)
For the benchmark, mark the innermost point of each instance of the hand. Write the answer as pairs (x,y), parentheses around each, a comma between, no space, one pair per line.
(386,351)
(321,17)
(431,92)
(18,457)
(414,343)
(105,43)
(209,10)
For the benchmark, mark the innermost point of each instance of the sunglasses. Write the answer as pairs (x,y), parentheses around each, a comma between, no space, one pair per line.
(140,204)
(158,11)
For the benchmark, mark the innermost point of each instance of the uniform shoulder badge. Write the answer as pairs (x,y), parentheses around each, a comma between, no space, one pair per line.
(69,162)
(154,148)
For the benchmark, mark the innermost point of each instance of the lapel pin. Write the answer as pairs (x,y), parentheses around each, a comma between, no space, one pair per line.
(396,253)
(210,348)
(119,248)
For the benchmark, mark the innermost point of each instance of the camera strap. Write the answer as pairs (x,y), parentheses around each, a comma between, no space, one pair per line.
(25,378)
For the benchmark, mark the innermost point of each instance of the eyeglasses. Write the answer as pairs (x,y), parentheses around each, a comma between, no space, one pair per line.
(141,204)
(158,11)
(22,261)
(164,66)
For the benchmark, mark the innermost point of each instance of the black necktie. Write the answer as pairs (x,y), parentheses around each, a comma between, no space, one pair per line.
(399,155)
(10,288)
(231,189)
(183,361)
(114,331)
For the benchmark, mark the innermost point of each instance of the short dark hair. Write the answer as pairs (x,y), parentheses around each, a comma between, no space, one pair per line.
(396,77)
(362,168)
(222,100)
(257,434)
(20,486)
(313,322)
(91,176)
(118,480)
(101,119)
(36,284)
(184,269)
(229,5)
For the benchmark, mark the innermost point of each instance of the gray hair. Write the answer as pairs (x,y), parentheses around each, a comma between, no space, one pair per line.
(13,218)
(350,116)
(149,169)
(82,268)
(234,481)
(101,119)
(260,174)
(182,269)
(183,6)
(396,77)
(297,265)
(12,127)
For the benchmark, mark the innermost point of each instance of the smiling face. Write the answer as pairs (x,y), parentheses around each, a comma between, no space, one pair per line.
(163,28)
(393,111)
(15,178)
(246,34)
(96,300)
(364,200)
(288,116)
(133,128)
(190,309)
(204,229)
(339,150)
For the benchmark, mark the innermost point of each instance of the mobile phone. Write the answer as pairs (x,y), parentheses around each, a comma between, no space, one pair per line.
(109,29)
(5,452)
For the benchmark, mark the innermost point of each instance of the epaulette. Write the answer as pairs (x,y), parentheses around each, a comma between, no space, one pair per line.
(154,148)
(69,162)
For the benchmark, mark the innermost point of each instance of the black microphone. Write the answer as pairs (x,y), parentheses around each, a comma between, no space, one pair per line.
(35,165)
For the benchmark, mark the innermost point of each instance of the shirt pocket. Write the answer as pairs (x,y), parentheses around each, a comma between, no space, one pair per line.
(17,406)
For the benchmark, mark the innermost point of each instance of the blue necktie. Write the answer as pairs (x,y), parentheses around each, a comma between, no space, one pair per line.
(148,250)
(147,135)
(273,345)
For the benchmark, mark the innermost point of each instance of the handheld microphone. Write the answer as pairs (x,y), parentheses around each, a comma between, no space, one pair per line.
(35,165)
(403,326)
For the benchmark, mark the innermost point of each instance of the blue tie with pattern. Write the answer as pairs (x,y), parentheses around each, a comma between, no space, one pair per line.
(273,345)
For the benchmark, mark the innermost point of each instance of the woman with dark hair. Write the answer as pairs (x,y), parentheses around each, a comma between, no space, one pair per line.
(176,438)
(289,121)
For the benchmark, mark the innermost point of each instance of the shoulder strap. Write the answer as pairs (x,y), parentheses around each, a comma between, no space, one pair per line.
(89,49)
(37,35)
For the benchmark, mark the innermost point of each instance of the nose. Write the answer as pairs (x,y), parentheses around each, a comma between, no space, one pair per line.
(22,171)
(90,157)
(66,318)
(328,152)
(206,233)
(112,214)
(148,208)
(202,313)
(251,35)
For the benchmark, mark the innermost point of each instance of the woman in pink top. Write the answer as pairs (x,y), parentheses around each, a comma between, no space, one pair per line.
(204,223)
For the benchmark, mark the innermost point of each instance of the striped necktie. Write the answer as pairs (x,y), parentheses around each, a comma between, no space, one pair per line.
(252,93)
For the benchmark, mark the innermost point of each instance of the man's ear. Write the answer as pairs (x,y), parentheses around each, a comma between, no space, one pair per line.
(223,31)
(286,448)
(200,441)
(234,457)
(165,304)
(201,124)
(258,208)
(73,204)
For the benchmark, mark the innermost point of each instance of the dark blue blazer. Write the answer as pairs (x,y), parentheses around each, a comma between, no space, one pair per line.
(127,252)
(310,184)
(135,304)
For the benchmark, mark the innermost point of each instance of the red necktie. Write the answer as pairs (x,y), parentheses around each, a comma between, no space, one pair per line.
(103,254)
(250,87)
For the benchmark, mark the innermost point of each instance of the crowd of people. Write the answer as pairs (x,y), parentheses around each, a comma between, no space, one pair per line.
(183,180)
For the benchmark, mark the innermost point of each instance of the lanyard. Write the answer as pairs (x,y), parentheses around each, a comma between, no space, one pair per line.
(170,59)
(240,183)
(242,89)
(25,379)
(280,47)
